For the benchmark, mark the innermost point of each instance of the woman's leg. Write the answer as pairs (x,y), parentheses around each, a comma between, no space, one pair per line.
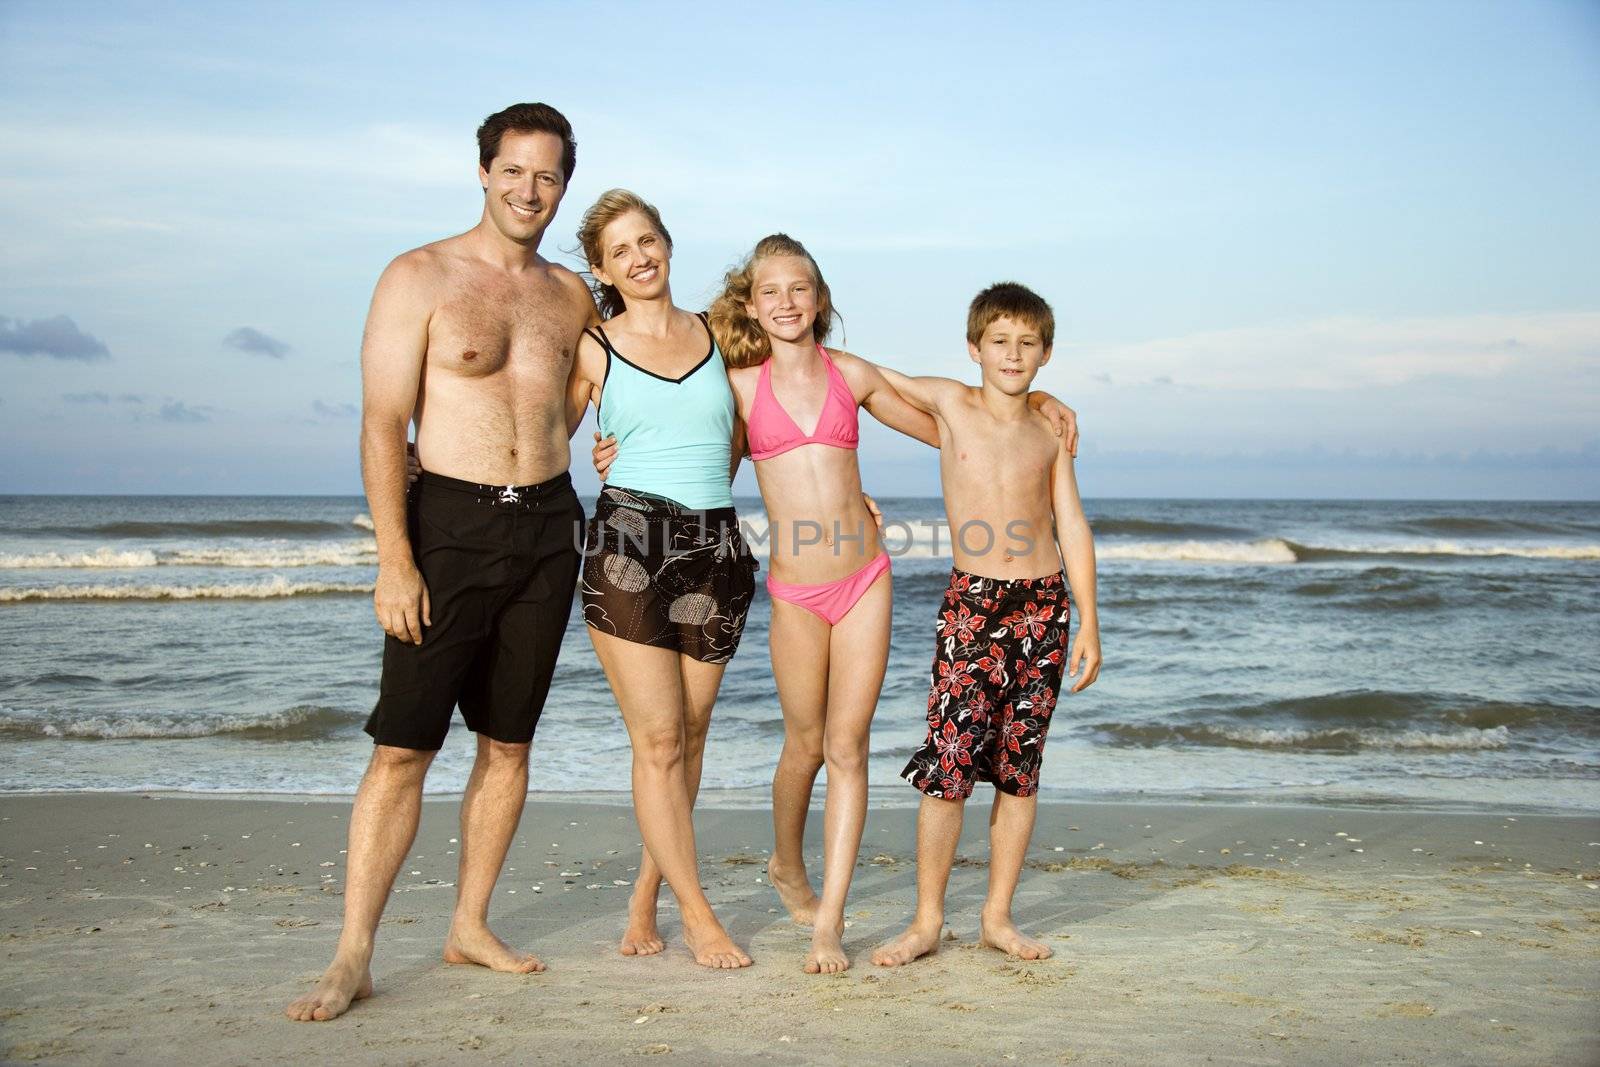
(799,641)
(700,683)
(859,652)
(649,690)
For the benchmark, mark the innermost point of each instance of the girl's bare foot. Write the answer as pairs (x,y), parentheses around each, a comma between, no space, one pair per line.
(1001,933)
(712,947)
(642,938)
(827,951)
(794,889)
(343,983)
(917,941)
(478,944)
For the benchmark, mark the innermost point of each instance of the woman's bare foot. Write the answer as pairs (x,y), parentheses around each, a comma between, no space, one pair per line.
(478,944)
(1001,933)
(794,889)
(917,941)
(827,951)
(712,947)
(343,983)
(642,938)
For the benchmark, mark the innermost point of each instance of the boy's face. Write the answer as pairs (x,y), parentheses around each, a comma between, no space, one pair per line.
(1010,353)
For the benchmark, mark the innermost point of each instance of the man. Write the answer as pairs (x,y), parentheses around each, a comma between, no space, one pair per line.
(472,338)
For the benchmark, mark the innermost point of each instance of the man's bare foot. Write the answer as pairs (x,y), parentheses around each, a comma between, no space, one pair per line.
(341,984)
(712,947)
(642,938)
(827,951)
(1003,934)
(917,941)
(794,889)
(478,944)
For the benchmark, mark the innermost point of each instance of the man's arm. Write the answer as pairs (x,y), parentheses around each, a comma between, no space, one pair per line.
(392,350)
(1063,420)
(1077,551)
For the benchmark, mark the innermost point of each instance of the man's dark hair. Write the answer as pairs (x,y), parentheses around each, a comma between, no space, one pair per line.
(527,118)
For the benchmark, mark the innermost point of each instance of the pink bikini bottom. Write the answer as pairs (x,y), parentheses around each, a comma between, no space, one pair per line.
(832,601)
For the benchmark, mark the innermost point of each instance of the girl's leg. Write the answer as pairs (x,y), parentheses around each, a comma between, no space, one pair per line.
(649,690)
(800,650)
(859,652)
(700,683)
(1010,827)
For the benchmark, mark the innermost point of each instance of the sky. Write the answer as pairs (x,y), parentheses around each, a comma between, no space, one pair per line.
(1294,250)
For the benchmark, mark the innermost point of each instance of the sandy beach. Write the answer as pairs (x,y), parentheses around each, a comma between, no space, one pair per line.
(138,926)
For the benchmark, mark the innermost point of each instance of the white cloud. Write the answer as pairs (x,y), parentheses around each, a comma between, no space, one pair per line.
(1360,353)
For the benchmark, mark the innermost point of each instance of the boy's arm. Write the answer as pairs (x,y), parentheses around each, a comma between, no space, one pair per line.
(892,408)
(1077,550)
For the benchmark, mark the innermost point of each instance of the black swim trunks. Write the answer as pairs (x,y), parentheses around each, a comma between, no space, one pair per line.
(500,563)
(997,670)
(658,573)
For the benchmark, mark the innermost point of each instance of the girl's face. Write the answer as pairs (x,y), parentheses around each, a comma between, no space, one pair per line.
(783,298)
(635,257)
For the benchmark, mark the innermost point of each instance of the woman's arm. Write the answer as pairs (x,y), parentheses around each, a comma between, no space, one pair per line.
(584,381)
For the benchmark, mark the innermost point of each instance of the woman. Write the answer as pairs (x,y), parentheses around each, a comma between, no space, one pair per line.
(667,579)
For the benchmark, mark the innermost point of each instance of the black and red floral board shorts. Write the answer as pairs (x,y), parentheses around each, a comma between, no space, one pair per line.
(1002,647)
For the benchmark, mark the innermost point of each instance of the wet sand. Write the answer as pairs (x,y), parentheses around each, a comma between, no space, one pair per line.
(146,929)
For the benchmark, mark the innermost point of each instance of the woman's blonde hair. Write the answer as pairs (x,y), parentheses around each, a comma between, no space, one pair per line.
(611,206)
(742,340)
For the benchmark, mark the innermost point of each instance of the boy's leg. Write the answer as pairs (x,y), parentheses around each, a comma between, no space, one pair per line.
(1010,829)
(938,834)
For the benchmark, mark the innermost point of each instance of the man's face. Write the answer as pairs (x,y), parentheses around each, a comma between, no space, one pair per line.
(523,185)
(1010,353)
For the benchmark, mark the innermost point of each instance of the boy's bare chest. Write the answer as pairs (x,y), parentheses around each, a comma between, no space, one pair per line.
(1014,458)
(525,330)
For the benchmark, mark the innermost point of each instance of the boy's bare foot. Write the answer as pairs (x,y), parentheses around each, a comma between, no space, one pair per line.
(478,944)
(341,984)
(794,889)
(1003,934)
(917,941)
(642,938)
(712,947)
(827,951)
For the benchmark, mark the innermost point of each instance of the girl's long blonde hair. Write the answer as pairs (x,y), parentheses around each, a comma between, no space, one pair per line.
(608,208)
(740,337)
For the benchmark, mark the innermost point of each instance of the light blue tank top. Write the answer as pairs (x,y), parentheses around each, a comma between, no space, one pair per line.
(674,435)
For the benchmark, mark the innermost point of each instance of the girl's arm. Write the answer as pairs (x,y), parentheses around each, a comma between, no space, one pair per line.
(1077,551)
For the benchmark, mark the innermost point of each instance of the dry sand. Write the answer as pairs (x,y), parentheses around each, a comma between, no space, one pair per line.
(153,929)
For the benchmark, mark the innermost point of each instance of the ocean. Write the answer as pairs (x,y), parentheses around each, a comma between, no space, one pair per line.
(1426,654)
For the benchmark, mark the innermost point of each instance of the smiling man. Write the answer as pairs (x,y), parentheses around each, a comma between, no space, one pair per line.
(471,338)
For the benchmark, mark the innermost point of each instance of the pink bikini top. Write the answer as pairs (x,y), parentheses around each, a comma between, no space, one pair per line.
(772,432)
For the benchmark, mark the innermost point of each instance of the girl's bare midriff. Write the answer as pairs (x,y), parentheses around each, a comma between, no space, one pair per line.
(818,526)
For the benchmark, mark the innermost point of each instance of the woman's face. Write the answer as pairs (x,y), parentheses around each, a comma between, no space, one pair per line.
(783,298)
(634,256)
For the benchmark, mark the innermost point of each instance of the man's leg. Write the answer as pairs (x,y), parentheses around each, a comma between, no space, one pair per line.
(700,684)
(1010,829)
(491,807)
(383,824)
(938,833)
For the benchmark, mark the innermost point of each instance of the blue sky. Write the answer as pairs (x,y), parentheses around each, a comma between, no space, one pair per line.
(1294,250)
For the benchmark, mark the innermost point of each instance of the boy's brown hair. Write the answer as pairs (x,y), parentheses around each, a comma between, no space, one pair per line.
(1013,301)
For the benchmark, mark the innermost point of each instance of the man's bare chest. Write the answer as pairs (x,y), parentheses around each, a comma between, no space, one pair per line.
(526,333)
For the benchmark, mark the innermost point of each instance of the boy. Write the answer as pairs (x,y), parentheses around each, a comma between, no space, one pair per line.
(1011,498)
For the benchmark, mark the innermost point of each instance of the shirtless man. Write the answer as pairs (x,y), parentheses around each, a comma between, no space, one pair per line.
(471,337)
